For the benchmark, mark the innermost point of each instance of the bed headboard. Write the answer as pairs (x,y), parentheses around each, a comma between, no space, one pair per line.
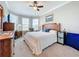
(52,26)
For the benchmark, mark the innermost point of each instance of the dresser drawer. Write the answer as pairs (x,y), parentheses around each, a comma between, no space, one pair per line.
(5,47)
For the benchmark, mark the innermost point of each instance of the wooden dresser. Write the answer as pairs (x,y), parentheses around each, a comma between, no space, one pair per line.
(7,26)
(5,46)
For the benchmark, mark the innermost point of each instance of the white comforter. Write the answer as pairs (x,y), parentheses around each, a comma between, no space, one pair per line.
(37,41)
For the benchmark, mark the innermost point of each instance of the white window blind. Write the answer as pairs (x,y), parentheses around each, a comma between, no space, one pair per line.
(35,24)
(25,24)
(14,19)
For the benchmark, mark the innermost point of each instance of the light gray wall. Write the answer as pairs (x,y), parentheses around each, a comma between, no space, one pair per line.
(67,15)
(19,22)
(30,21)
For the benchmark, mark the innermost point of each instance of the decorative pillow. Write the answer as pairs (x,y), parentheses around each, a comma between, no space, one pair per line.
(47,30)
(52,31)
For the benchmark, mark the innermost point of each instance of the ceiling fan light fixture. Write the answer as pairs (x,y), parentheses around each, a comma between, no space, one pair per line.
(35,8)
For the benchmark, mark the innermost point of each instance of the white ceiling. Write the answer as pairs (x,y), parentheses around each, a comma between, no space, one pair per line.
(22,7)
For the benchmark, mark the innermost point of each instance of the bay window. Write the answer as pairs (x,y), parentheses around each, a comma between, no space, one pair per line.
(25,24)
(35,24)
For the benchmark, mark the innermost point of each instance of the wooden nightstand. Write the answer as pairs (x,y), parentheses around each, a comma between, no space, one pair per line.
(60,37)
(18,34)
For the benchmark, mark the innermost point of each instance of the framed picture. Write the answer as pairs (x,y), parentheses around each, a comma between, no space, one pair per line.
(49,18)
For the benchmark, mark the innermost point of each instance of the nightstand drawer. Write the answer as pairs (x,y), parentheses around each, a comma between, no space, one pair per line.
(61,37)
(60,34)
(60,41)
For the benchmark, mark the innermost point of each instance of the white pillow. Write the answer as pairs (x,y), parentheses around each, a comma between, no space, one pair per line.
(52,31)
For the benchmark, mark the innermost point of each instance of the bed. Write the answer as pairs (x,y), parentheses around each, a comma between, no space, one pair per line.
(37,41)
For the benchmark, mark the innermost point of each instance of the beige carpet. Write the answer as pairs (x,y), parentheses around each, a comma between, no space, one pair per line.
(56,50)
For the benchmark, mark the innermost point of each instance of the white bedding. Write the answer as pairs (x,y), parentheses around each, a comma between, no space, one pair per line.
(37,41)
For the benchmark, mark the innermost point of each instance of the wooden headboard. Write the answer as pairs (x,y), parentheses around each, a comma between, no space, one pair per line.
(52,26)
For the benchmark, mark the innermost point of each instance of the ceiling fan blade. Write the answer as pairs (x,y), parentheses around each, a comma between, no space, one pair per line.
(40,6)
(37,9)
(35,2)
(36,6)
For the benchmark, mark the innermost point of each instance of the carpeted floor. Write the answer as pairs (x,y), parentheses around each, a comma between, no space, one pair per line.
(56,50)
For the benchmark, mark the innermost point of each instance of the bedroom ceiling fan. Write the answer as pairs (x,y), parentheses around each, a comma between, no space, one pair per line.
(36,6)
